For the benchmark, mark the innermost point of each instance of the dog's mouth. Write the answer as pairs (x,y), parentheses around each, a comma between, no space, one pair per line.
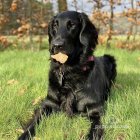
(60,57)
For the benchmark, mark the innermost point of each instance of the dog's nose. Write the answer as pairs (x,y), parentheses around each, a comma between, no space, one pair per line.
(58,44)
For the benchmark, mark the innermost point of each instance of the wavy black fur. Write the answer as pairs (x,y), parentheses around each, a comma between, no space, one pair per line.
(72,88)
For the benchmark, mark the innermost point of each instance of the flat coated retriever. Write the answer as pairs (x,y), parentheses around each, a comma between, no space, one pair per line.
(82,84)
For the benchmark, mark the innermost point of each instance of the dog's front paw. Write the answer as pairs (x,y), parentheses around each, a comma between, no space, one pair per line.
(24,136)
(98,133)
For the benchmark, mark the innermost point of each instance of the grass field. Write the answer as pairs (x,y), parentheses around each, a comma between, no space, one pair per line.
(24,80)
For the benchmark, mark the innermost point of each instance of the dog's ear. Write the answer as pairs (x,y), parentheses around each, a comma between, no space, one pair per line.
(50,29)
(88,35)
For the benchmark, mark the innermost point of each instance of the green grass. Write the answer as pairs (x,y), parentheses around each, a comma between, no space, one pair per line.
(30,73)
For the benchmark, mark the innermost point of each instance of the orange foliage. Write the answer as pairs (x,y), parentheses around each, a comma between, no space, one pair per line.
(3,20)
(24,28)
(130,12)
(102,39)
(131,20)
(100,16)
(43,25)
(138,3)
(132,45)
(14,6)
(4,41)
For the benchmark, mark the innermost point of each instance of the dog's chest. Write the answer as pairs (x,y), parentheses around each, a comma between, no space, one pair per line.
(60,77)
(69,79)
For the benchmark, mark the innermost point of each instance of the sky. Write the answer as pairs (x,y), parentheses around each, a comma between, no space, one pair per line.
(85,6)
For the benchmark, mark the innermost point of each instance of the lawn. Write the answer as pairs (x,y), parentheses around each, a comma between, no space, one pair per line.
(23,83)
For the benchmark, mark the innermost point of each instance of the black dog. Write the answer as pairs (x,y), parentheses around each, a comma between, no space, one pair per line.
(83,83)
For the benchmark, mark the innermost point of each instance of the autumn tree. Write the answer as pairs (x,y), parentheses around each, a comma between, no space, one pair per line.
(97,11)
(130,18)
(136,19)
(62,5)
(24,18)
(110,30)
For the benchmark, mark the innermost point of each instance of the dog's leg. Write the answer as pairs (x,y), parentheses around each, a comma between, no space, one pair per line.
(93,113)
(48,106)
(96,131)
(30,131)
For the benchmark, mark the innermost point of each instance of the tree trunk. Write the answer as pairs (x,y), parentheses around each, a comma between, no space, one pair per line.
(1,6)
(136,29)
(62,5)
(98,7)
(1,10)
(110,24)
(75,5)
(40,30)
(131,26)
(31,26)
(136,25)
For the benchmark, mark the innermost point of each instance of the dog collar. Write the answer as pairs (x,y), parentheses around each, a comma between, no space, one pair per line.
(89,63)
(90,58)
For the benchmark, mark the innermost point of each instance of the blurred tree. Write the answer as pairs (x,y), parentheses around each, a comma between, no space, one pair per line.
(131,26)
(25,18)
(75,5)
(97,11)
(110,31)
(62,5)
(136,18)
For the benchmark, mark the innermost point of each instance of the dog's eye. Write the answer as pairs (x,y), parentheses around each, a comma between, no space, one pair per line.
(55,25)
(70,25)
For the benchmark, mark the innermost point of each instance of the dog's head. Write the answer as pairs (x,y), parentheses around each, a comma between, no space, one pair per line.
(73,34)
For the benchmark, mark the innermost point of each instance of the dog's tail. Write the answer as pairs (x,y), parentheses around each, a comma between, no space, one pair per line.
(110,67)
